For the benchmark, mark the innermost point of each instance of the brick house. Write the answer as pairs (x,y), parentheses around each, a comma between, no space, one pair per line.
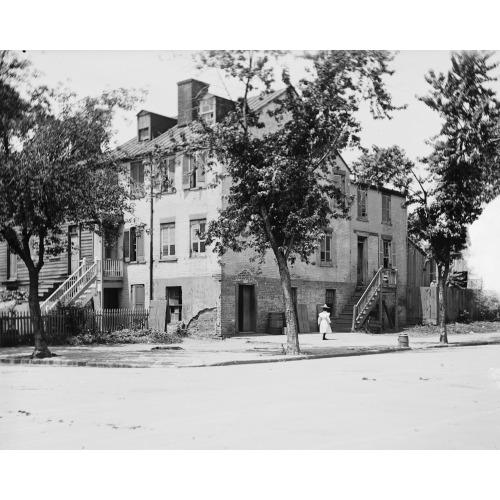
(233,295)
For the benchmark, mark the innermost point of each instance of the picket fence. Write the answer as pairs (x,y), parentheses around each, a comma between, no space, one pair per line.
(17,328)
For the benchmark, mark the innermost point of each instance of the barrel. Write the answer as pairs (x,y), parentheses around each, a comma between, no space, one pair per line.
(275,323)
(403,340)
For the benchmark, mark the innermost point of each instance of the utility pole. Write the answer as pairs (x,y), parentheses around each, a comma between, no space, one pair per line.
(151,235)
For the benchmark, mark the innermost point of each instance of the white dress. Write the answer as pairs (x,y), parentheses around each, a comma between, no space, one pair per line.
(324,322)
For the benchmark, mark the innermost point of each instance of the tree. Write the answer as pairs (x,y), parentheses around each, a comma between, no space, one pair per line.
(281,178)
(462,171)
(58,167)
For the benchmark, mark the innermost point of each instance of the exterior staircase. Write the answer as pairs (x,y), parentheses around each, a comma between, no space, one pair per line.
(81,285)
(363,301)
(344,322)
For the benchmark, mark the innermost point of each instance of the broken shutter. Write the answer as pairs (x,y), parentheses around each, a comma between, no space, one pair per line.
(393,256)
(126,246)
(185,171)
(140,244)
(381,254)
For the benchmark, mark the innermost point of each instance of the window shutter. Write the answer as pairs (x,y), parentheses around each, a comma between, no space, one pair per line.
(140,244)
(201,169)
(133,245)
(126,246)
(381,257)
(393,250)
(141,174)
(185,172)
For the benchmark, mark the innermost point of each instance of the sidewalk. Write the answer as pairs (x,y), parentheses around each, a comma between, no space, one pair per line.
(235,350)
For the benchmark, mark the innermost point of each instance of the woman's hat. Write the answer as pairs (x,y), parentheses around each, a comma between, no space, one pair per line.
(325,307)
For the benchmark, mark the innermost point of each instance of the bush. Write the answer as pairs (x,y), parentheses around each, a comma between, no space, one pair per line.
(488,306)
(463,316)
(126,336)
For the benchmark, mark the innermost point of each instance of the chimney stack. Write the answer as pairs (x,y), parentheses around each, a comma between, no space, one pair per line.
(189,93)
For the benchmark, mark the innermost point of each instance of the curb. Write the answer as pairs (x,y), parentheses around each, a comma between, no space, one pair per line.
(360,351)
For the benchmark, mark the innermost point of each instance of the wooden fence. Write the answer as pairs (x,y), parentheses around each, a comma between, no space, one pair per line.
(422,304)
(17,328)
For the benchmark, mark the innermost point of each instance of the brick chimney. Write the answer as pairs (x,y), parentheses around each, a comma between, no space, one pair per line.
(189,93)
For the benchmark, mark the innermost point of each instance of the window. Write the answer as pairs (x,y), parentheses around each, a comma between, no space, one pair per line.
(168,175)
(133,245)
(362,212)
(173,294)
(136,177)
(207,109)
(386,208)
(143,125)
(326,249)
(387,253)
(138,296)
(167,236)
(198,228)
(193,171)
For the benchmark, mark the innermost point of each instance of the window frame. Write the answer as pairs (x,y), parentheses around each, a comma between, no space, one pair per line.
(137,181)
(194,238)
(133,245)
(362,203)
(167,228)
(327,237)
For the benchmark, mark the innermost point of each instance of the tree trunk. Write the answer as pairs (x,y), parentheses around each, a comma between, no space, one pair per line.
(442,278)
(41,348)
(292,345)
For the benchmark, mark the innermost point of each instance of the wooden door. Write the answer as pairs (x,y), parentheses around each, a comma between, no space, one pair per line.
(73,250)
(246,308)
(362,261)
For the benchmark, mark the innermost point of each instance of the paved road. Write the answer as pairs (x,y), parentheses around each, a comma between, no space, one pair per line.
(435,399)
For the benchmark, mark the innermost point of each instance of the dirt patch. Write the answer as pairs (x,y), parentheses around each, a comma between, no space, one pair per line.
(454,328)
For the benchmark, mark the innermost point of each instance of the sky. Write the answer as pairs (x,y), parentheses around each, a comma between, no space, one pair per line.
(90,72)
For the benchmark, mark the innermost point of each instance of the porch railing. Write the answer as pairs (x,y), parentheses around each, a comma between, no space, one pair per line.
(113,268)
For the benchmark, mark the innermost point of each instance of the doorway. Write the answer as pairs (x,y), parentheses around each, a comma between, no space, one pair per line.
(73,249)
(362,260)
(246,308)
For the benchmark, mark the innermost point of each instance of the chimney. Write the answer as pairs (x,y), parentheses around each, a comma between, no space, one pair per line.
(189,93)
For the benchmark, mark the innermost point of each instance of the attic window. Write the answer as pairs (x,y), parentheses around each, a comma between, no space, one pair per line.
(144,134)
(207,110)
(143,126)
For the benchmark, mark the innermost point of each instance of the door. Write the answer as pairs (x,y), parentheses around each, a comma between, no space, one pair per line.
(73,249)
(362,261)
(246,308)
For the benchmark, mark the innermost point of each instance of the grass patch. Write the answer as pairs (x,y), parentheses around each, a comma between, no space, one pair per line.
(143,336)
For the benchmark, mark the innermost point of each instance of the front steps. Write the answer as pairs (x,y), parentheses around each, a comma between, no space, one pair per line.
(344,322)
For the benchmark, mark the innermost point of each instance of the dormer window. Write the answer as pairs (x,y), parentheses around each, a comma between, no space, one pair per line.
(144,127)
(207,109)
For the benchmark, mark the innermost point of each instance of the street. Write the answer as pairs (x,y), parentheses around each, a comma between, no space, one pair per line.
(433,399)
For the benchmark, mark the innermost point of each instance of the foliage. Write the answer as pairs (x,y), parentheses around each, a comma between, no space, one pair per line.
(282,176)
(488,304)
(463,172)
(17,295)
(125,336)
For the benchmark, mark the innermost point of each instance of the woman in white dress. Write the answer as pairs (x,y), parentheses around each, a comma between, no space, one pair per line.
(324,322)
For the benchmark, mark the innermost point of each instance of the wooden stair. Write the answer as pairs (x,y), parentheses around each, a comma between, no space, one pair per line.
(344,322)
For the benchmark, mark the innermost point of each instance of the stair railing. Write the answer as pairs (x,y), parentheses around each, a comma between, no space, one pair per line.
(373,287)
(81,283)
(66,290)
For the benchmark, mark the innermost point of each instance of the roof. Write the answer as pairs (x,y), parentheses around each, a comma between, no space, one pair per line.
(134,147)
(257,102)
